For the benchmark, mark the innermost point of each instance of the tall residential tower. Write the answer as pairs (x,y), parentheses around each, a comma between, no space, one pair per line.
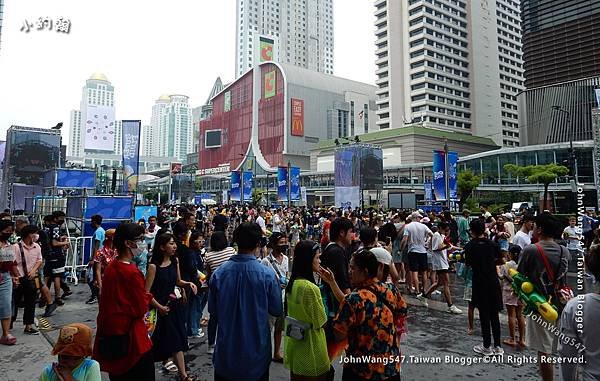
(300,31)
(450,64)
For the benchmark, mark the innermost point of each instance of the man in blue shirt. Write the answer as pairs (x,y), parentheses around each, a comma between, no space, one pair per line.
(243,293)
(97,244)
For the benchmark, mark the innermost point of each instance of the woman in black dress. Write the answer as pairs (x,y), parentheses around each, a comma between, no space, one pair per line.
(483,254)
(169,336)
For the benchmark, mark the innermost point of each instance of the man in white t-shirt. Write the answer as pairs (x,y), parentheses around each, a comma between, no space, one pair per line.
(415,236)
(279,222)
(523,237)
(260,220)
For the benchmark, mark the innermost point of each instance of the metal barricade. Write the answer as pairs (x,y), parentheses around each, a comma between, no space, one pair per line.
(75,262)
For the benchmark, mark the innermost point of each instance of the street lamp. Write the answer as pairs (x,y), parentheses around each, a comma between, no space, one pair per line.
(572,157)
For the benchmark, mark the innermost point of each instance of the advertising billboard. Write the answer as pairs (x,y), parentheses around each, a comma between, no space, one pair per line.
(266,49)
(428,191)
(175,168)
(282,177)
(439,175)
(270,84)
(99,127)
(235,186)
(297,117)
(131,154)
(371,168)
(295,184)
(347,177)
(452,175)
(247,186)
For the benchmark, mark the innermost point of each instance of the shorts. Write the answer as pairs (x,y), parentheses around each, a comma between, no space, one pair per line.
(52,265)
(276,322)
(538,335)
(468,294)
(417,261)
(404,256)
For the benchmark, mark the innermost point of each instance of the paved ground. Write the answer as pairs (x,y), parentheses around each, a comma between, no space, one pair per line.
(433,335)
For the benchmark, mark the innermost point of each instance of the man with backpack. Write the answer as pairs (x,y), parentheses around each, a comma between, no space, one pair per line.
(545,264)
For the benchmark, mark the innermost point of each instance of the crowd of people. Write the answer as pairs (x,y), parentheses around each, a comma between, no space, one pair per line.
(296,286)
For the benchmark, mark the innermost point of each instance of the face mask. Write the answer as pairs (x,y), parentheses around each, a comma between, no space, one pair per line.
(5,236)
(283,248)
(36,237)
(139,257)
(139,249)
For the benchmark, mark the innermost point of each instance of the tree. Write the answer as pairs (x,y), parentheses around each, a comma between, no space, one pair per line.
(467,181)
(538,174)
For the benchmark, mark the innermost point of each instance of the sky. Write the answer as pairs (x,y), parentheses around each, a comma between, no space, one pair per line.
(144,48)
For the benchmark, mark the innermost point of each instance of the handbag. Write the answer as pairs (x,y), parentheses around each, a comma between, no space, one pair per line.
(296,329)
(561,293)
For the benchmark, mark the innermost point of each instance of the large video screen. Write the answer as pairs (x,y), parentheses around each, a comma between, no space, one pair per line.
(212,139)
(371,170)
(30,154)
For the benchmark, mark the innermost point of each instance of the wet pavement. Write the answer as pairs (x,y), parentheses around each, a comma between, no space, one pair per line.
(437,346)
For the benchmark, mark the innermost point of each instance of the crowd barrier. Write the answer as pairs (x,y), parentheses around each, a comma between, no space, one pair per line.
(77,259)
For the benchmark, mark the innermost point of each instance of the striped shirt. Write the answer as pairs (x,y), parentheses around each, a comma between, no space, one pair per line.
(214,259)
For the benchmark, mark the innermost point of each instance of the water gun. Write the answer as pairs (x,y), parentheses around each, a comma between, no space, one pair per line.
(457,256)
(534,300)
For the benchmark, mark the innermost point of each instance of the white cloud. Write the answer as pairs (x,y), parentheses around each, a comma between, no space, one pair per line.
(145,48)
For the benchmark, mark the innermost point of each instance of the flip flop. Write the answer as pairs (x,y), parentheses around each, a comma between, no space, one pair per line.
(509,342)
(8,340)
(170,367)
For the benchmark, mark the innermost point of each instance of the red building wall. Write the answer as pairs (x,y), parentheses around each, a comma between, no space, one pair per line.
(236,126)
(271,115)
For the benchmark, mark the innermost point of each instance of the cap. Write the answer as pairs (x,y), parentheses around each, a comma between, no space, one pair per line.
(425,220)
(110,232)
(382,255)
(415,215)
(74,340)
(508,216)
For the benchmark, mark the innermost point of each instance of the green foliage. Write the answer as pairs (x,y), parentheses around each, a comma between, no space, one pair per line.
(471,204)
(467,182)
(537,174)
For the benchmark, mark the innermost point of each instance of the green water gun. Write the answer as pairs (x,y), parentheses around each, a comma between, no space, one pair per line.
(534,300)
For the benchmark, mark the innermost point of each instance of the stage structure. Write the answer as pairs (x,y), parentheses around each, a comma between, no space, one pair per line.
(358,167)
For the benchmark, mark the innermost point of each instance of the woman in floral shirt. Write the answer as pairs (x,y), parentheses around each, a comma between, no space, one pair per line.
(371,318)
(104,257)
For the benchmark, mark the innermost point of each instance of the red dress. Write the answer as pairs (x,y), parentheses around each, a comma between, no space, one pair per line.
(123,304)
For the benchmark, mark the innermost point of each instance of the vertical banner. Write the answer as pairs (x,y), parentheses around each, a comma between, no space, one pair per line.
(236,188)
(347,177)
(131,154)
(247,186)
(270,84)
(439,175)
(266,49)
(428,193)
(282,178)
(596,149)
(297,117)
(295,184)
(227,102)
(303,196)
(452,175)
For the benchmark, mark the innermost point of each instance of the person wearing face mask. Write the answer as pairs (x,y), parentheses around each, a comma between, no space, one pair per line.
(28,255)
(278,261)
(123,305)
(56,259)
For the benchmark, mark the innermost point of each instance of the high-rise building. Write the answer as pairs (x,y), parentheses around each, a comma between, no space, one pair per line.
(299,32)
(93,127)
(1,17)
(450,64)
(170,132)
(561,52)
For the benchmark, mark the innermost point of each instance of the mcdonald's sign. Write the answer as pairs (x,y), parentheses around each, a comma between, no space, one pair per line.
(297,117)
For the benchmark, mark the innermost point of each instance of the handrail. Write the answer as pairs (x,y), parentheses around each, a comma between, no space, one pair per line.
(75,261)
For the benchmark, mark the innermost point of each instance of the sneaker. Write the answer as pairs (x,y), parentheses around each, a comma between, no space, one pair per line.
(92,300)
(454,310)
(498,351)
(483,350)
(31,331)
(50,309)
(197,336)
(67,293)
(423,300)
(211,349)
(59,302)
(436,292)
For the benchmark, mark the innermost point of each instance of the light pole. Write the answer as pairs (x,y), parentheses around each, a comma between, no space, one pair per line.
(572,157)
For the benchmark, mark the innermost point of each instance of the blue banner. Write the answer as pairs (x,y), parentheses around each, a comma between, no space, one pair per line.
(282,178)
(236,189)
(428,193)
(295,184)
(247,186)
(131,154)
(452,175)
(439,175)
(145,212)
